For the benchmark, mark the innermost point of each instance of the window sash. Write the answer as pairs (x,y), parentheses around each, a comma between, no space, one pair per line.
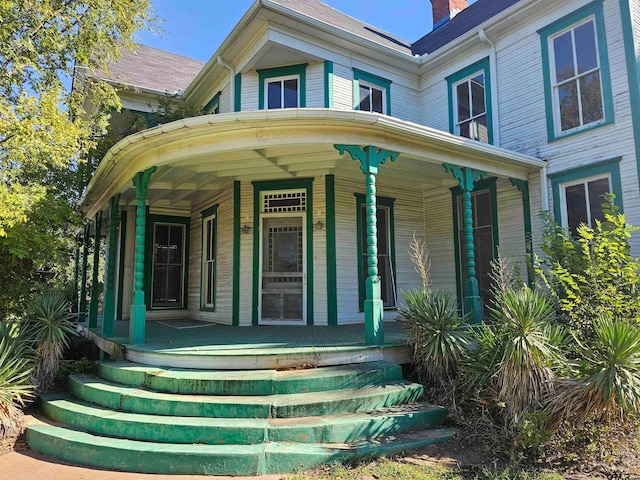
(165,291)
(209,261)
(589,209)
(281,100)
(374,100)
(472,126)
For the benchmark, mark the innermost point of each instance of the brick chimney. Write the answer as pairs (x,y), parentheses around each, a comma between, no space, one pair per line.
(444,10)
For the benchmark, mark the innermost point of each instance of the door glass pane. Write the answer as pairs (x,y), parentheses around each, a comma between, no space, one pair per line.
(591,98)
(274,95)
(365,98)
(586,47)
(282,269)
(568,96)
(576,206)
(462,91)
(563,53)
(291,93)
(597,188)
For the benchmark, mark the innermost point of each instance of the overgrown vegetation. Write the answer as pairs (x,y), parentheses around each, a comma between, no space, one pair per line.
(552,361)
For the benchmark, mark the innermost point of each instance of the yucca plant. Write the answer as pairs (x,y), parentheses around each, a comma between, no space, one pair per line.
(15,373)
(437,333)
(611,385)
(49,326)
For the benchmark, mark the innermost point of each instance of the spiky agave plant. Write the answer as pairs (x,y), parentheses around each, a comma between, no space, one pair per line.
(611,385)
(528,343)
(15,373)
(437,333)
(49,326)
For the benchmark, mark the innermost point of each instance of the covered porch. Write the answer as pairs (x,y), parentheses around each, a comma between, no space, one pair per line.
(221,180)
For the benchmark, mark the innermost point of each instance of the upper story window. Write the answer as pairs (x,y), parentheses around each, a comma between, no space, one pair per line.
(371,93)
(470,102)
(578,193)
(577,85)
(213,106)
(282,87)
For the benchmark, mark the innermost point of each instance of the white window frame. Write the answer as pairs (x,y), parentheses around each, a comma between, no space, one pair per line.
(372,86)
(472,118)
(582,181)
(280,79)
(206,281)
(554,84)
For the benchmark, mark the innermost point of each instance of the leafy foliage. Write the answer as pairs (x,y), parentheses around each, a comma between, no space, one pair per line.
(49,326)
(437,333)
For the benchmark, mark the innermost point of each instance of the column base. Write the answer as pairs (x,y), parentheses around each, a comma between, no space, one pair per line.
(108,314)
(473,309)
(374,322)
(137,324)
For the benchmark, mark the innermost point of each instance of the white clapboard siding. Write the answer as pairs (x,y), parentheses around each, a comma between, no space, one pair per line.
(408,218)
(342,87)
(319,214)
(224,261)
(511,237)
(315,85)
(249,94)
(246,254)
(226,104)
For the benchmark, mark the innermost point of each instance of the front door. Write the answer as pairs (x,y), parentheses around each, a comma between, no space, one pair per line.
(283,279)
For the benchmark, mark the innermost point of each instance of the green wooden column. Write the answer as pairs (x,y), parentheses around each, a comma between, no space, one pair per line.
(95,291)
(82,303)
(76,273)
(523,186)
(370,158)
(138,307)
(108,314)
(466,178)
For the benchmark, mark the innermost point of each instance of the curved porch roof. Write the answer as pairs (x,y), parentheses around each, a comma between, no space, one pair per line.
(198,156)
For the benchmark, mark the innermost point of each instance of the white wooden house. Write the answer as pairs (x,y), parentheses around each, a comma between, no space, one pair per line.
(256,212)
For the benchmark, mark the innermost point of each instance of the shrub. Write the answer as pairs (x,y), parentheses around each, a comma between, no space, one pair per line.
(437,333)
(49,326)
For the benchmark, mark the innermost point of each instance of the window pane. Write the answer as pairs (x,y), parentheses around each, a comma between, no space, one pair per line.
(274,92)
(209,286)
(365,98)
(482,212)
(465,129)
(291,93)
(586,47)
(175,245)
(591,98)
(174,285)
(159,284)
(576,206)
(568,96)
(462,91)
(597,188)
(161,242)
(376,100)
(482,131)
(477,94)
(383,232)
(563,53)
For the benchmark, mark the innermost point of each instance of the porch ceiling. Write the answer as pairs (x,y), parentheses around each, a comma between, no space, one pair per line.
(197,157)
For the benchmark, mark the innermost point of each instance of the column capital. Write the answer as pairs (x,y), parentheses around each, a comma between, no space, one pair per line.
(141,182)
(522,186)
(370,157)
(466,176)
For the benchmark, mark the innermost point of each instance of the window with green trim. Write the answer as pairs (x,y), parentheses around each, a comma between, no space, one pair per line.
(577,85)
(386,249)
(209,254)
(167,286)
(282,87)
(579,194)
(470,102)
(213,106)
(371,93)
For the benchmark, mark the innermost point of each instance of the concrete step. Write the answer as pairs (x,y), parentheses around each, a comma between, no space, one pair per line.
(130,399)
(194,459)
(249,382)
(241,431)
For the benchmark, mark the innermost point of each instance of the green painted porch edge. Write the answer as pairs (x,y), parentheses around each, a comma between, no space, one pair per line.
(373,79)
(237,102)
(121,260)
(523,187)
(93,306)
(289,184)
(300,70)
(235,301)
(595,9)
(610,166)
(633,75)
(332,287)
(328,84)
(208,212)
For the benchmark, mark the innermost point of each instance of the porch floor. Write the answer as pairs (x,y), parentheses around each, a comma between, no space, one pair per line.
(187,343)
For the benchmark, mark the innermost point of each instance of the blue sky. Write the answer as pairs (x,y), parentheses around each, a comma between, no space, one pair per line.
(196,28)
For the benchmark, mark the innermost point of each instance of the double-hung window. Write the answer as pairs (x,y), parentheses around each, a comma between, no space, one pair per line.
(282,87)
(371,93)
(209,254)
(168,240)
(578,194)
(470,102)
(577,85)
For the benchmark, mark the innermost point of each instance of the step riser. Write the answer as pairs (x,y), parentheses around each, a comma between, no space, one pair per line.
(269,382)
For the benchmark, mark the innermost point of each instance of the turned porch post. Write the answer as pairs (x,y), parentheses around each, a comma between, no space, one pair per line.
(95,292)
(466,178)
(108,314)
(370,158)
(138,307)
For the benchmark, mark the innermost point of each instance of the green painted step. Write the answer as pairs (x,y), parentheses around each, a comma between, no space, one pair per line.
(248,382)
(131,399)
(150,457)
(326,429)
